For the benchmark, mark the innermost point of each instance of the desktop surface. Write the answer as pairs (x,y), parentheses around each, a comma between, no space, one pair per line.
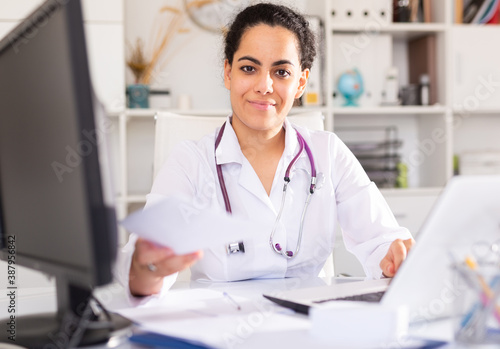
(259,324)
(260,327)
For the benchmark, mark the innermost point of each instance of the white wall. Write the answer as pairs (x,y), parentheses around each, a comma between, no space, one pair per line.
(105,48)
(105,43)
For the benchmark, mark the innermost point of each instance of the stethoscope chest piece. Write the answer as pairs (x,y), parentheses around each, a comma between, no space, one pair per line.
(235,247)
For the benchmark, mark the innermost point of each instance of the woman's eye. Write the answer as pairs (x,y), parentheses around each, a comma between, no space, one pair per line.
(247,69)
(283,73)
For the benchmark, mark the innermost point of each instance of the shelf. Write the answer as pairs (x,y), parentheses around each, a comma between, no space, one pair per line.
(411,191)
(391,110)
(299,110)
(475,25)
(397,30)
(477,112)
(148,113)
(132,199)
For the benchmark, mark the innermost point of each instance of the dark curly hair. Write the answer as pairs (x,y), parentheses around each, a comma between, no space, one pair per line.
(272,15)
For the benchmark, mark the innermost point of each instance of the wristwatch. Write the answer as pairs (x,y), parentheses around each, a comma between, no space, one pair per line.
(213,15)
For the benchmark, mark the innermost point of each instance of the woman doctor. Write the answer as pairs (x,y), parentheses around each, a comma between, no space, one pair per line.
(269,50)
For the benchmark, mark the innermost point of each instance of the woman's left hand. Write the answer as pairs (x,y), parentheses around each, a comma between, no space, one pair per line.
(395,256)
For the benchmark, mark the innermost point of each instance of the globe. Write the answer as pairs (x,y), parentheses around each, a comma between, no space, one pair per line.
(350,85)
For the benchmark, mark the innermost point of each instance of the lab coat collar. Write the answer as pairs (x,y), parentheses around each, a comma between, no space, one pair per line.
(229,149)
(291,142)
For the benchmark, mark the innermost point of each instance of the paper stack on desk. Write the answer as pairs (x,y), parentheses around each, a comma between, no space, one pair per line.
(184,227)
(212,318)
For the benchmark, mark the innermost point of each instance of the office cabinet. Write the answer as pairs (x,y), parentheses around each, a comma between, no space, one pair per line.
(411,207)
(476,75)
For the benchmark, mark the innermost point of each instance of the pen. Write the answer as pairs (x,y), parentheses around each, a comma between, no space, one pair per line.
(232,300)
(470,280)
(488,294)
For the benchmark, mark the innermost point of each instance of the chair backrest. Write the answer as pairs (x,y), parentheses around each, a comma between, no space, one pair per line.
(171,129)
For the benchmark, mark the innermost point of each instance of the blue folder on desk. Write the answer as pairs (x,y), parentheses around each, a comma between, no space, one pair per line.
(162,341)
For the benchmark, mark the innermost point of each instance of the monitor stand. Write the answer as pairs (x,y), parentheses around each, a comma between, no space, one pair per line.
(79,321)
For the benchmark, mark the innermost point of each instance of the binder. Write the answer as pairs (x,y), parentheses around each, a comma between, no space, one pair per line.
(483,10)
(427,9)
(422,60)
(490,12)
(471,10)
(360,12)
(414,10)
(459,11)
(495,18)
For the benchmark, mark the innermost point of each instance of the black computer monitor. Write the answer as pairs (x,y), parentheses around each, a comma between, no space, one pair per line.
(56,203)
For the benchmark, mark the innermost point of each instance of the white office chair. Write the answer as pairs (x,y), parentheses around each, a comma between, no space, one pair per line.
(171,129)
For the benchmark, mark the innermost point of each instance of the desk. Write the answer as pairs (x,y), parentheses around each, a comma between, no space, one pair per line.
(261,326)
(255,329)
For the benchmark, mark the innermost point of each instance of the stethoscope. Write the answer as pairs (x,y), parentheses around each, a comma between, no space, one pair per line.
(239,247)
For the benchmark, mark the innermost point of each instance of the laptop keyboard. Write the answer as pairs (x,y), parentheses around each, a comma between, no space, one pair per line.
(367,297)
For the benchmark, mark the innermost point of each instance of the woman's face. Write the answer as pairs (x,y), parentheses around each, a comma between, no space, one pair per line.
(264,78)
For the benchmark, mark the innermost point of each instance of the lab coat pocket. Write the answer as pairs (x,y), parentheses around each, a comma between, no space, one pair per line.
(212,267)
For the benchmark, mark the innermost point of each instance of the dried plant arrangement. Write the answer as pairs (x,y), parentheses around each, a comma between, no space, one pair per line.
(169,23)
(137,62)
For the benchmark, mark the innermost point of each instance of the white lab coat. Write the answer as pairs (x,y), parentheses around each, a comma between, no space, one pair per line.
(345,194)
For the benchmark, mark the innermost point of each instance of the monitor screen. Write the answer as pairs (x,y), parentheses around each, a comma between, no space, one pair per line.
(56,202)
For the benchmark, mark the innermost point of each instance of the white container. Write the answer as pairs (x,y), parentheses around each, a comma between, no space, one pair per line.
(160,99)
(391,87)
(424,89)
(359,324)
(486,162)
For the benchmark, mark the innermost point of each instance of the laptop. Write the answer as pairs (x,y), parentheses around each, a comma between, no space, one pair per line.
(466,214)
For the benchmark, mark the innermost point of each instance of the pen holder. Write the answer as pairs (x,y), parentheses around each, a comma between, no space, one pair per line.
(477,304)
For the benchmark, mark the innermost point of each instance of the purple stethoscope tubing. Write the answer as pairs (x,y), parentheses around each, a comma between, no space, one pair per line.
(302,145)
(219,172)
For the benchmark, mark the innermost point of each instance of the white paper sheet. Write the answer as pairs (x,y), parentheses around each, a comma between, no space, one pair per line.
(175,223)
(210,317)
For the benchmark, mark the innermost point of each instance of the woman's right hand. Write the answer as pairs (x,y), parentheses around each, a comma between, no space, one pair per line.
(151,263)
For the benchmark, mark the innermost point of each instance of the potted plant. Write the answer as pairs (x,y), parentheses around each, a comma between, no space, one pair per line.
(144,66)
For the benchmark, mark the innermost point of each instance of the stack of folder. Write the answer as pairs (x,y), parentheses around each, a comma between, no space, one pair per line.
(378,157)
(477,11)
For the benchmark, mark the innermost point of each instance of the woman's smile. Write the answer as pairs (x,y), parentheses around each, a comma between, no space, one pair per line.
(262,105)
